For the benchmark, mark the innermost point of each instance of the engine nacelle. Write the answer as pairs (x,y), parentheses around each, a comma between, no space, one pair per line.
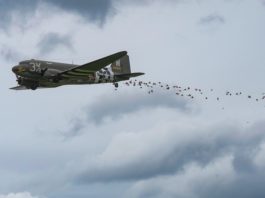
(30,84)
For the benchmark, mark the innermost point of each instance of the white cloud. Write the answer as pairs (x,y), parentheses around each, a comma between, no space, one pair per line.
(167,147)
(18,195)
(122,104)
(259,158)
(187,182)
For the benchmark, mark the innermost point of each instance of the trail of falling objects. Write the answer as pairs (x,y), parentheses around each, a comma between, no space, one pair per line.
(188,92)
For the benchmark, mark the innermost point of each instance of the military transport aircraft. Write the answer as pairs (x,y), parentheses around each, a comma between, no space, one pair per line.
(33,74)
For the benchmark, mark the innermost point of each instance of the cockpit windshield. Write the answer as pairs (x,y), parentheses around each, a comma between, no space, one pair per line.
(24,62)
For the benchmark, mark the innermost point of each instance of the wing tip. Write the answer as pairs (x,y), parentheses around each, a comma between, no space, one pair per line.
(123,53)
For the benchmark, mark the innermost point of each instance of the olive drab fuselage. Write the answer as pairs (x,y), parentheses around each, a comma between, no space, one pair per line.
(32,74)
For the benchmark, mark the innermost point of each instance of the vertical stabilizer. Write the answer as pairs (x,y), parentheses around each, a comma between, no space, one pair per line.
(122,65)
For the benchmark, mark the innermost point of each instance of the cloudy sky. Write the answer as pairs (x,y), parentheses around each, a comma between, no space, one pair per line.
(93,141)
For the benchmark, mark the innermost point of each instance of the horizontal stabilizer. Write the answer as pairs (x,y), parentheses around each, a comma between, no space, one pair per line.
(130,75)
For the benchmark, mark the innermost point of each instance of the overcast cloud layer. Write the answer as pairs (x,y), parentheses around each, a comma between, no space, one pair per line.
(178,149)
(95,11)
(93,141)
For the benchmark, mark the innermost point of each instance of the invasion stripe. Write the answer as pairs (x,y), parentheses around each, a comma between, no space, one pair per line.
(74,76)
(66,76)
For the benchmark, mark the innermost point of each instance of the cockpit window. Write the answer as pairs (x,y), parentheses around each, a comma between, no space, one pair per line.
(24,62)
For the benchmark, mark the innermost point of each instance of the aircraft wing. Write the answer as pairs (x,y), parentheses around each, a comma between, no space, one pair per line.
(19,88)
(92,67)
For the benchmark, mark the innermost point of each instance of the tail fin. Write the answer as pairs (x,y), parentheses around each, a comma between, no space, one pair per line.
(121,66)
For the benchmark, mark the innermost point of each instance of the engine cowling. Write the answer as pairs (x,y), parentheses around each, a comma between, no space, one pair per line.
(30,84)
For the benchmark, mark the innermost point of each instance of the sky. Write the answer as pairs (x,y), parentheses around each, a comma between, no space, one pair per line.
(92,141)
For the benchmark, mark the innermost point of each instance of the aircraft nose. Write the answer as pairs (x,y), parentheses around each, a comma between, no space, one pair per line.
(15,69)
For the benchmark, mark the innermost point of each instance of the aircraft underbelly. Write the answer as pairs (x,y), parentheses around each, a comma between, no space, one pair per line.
(76,81)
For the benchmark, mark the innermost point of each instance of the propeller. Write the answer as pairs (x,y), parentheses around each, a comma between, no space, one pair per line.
(19,79)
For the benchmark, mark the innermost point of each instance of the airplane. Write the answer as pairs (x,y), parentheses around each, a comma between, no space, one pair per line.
(33,74)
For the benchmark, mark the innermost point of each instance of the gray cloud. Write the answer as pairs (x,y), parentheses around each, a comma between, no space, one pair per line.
(212,19)
(215,180)
(9,54)
(95,11)
(8,7)
(114,107)
(51,41)
(90,9)
(169,153)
